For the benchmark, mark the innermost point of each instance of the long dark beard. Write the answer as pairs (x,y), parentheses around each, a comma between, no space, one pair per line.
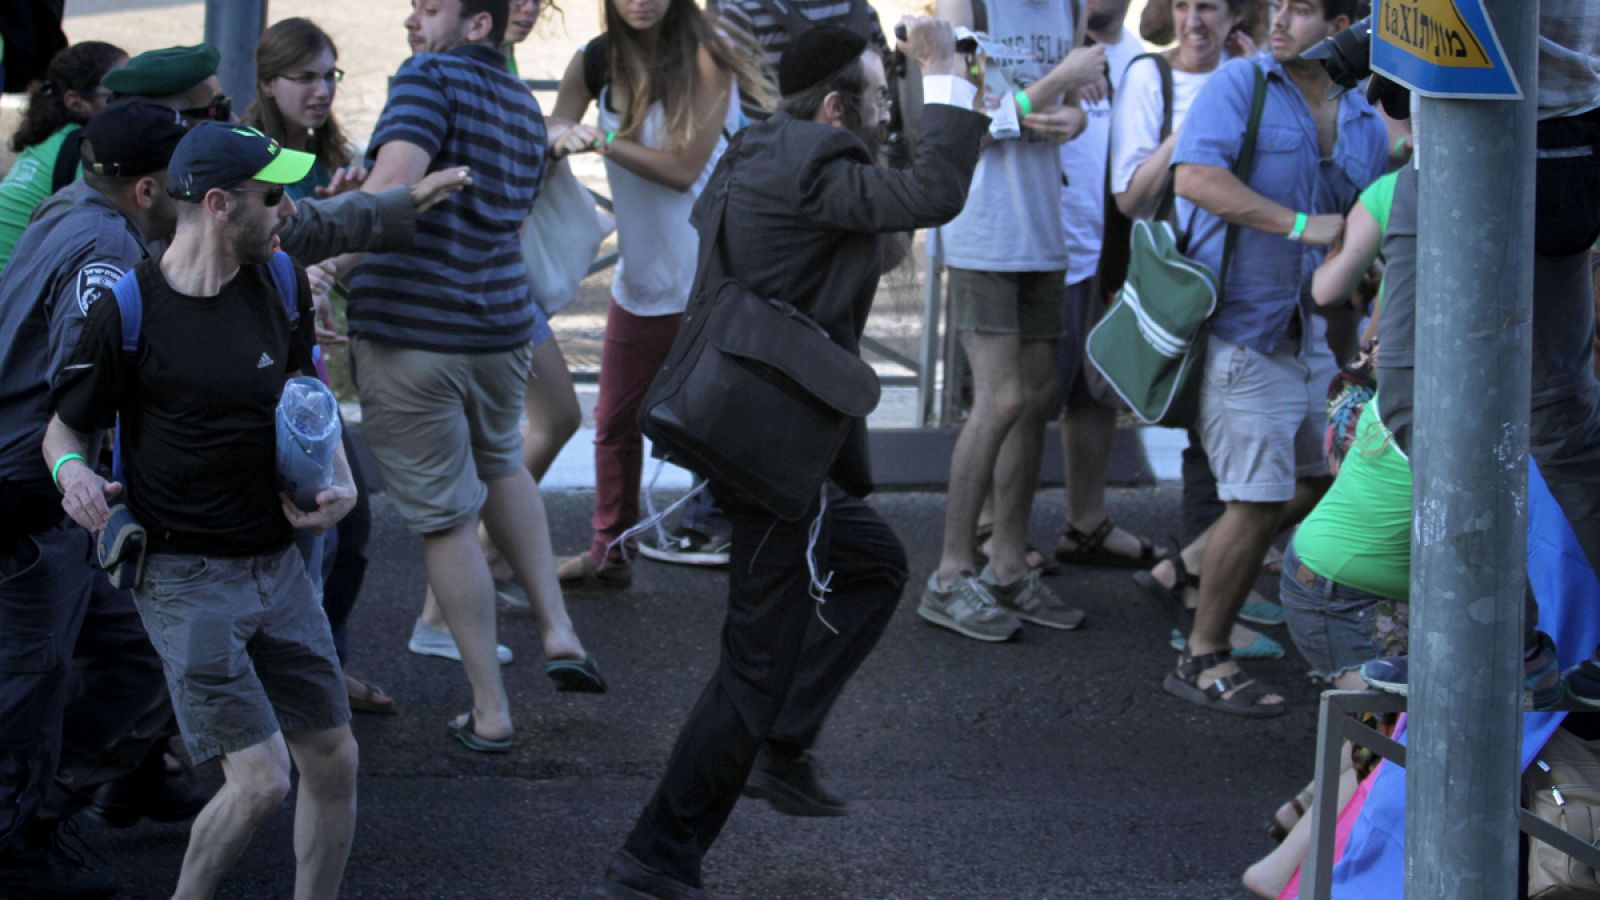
(874,136)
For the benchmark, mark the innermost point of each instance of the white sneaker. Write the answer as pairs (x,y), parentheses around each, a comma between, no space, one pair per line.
(427,640)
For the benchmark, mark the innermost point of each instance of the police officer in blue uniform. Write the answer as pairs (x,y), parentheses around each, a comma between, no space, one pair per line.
(56,606)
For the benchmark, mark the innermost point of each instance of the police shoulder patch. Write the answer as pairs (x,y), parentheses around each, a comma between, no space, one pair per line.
(92,280)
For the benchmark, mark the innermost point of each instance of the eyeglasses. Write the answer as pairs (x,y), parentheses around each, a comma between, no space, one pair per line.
(270,197)
(220,109)
(307,79)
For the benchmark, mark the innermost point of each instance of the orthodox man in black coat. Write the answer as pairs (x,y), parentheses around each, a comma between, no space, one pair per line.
(809,213)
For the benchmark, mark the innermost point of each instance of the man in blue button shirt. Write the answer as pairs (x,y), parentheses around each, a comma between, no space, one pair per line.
(1261,401)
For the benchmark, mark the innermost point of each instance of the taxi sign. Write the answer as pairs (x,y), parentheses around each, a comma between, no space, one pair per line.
(1441,48)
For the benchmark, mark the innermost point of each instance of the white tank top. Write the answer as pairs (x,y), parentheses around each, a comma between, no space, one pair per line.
(1012,220)
(657,248)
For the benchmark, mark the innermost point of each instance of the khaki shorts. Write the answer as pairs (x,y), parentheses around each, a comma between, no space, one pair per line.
(246,648)
(1262,420)
(440,425)
(1021,303)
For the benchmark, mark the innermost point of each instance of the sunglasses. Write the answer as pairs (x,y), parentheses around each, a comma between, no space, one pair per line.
(220,109)
(307,79)
(270,197)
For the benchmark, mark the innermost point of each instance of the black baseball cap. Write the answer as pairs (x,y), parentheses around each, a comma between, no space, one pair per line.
(132,137)
(220,155)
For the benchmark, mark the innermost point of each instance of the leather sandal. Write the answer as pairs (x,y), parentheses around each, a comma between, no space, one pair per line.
(1234,694)
(1088,549)
(1277,829)
(366,697)
(1170,599)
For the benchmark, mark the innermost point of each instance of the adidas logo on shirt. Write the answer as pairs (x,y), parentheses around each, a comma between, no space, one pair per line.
(264,361)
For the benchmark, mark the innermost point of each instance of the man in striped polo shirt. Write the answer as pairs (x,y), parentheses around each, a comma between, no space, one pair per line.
(442,334)
(774,24)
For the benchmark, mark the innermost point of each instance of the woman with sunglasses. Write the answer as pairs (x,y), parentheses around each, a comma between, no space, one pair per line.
(47,161)
(296,78)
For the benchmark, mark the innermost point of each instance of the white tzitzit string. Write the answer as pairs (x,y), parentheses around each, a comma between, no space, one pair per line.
(653,520)
(820,586)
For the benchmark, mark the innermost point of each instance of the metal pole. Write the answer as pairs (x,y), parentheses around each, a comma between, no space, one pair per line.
(1469,534)
(234,27)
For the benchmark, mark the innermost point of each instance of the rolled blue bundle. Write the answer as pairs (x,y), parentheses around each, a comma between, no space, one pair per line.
(308,435)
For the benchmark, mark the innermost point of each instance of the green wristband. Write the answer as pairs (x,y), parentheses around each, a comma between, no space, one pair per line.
(56,469)
(1399,146)
(610,136)
(1023,103)
(1299,230)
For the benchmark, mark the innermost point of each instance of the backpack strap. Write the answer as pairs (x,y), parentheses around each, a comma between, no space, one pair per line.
(68,158)
(286,280)
(130,306)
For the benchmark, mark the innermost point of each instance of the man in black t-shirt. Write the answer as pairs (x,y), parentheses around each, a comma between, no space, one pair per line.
(250,661)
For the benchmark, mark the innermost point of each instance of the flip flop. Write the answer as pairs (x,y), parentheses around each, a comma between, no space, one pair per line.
(368,698)
(469,738)
(580,676)
(1261,612)
(1262,647)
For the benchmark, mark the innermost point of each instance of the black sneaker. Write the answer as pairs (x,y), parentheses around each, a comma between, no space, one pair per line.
(792,786)
(687,547)
(629,879)
(41,866)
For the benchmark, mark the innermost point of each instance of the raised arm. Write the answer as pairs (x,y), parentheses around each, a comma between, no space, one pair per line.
(1220,193)
(680,168)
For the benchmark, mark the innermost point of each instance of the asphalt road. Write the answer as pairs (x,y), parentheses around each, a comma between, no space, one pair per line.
(1051,767)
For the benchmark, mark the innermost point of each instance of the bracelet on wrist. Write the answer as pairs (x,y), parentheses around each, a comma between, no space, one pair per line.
(1024,105)
(1299,230)
(55,471)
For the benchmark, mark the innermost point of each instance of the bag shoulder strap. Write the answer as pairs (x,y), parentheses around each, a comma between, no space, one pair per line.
(1243,167)
(594,66)
(1164,209)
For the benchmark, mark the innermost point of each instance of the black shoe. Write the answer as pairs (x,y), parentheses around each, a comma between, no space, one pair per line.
(141,795)
(792,787)
(39,866)
(629,879)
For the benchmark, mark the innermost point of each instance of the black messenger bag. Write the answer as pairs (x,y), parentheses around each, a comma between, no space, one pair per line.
(754,394)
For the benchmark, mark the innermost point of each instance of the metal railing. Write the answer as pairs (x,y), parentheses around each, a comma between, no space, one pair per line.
(1335,725)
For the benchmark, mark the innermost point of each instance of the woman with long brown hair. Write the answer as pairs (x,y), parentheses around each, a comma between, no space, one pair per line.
(666,79)
(297,76)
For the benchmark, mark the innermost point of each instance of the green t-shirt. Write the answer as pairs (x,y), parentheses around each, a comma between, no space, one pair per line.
(1379,197)
(26,186)
(1360,533)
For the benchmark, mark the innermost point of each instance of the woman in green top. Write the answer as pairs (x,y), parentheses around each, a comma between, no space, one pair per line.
(296,78)
(58,106)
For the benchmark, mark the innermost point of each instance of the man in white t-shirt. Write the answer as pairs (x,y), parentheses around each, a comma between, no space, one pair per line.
(1006,258)
(1088,427)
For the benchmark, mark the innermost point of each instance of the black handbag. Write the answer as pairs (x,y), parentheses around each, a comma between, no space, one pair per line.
(754,394)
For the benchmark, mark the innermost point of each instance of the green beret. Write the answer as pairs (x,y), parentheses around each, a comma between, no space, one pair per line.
(158,73)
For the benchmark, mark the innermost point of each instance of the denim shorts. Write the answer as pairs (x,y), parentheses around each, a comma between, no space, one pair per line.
(246,648)
(1334,626)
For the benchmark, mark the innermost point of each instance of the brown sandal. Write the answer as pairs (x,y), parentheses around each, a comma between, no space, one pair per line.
(1036,559)
(1088,549)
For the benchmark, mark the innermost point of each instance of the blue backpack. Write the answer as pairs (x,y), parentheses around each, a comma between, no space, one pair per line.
(130,303)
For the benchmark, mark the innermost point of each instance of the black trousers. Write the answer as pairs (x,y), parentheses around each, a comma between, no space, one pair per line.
(781,668)
(81,688)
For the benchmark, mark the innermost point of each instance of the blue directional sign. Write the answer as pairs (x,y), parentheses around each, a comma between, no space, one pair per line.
(1441,48)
